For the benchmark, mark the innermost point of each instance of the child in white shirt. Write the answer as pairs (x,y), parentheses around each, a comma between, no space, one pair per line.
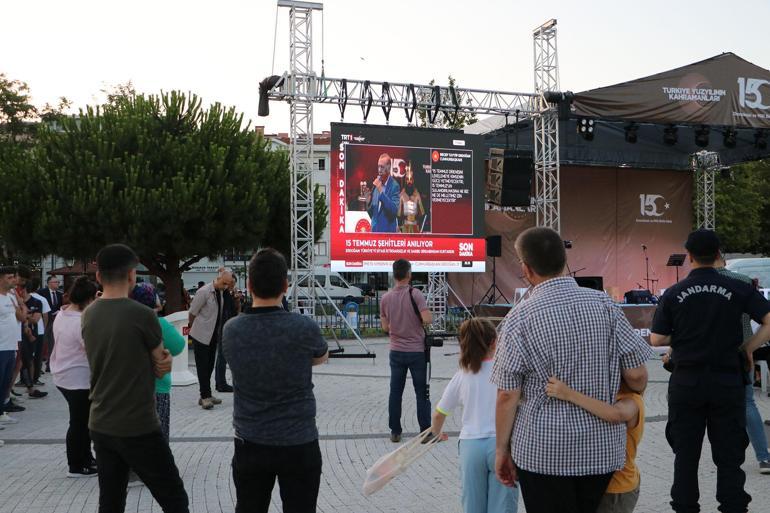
(470,388)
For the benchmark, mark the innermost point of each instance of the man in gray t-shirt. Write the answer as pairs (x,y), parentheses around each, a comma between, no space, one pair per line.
(271,353)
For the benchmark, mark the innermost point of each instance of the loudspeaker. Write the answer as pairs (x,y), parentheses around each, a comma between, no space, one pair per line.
(639,297)
(495,246)
(590,282)
(517,180)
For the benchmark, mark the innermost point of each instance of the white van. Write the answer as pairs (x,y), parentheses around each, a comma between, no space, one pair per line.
(334,285)
(758,268)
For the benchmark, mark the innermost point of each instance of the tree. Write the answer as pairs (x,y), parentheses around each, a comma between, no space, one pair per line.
(172,180)
(17,113)
(742,209)
(442,120)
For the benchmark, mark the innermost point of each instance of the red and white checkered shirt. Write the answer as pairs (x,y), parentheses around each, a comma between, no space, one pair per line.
(582,338)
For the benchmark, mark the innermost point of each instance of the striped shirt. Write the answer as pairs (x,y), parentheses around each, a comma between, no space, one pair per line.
(582,338)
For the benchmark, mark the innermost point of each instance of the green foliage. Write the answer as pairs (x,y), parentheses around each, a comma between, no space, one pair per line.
(278,235)
(16,110)
(742,208)
(442,121)
(174,181)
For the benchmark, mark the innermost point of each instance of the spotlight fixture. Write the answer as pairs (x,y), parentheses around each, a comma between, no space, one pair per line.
(585,127)
(726,172)
(760,139)
(670,135)
(702,136)
(631,132)
(730,137)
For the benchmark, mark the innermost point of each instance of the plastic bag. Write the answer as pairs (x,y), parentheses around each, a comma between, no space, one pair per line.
(395,462)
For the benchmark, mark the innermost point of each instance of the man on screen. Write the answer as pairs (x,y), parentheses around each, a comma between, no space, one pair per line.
(382,203)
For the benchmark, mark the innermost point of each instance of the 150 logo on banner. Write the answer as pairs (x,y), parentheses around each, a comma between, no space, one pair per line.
(650,206)
(750,95)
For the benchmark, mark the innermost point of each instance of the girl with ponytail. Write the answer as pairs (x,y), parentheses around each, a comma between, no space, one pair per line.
(471,389)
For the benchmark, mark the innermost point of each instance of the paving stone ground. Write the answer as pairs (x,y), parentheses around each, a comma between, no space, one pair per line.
(352,419)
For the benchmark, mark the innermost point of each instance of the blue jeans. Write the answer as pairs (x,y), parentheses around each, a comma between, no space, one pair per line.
(754,426)
(7,365)
(415,363)
(482,492)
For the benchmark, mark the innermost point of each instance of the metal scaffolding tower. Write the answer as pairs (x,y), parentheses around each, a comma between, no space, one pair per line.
(705,164)
(301,151)
(546,127)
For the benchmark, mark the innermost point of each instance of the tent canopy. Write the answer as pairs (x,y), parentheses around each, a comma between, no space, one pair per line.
(721,91)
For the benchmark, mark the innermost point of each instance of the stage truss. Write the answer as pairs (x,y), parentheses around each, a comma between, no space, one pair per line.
(301,87)
(705,165)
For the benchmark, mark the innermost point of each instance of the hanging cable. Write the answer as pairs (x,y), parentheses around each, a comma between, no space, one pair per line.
(323,38)
(275,38)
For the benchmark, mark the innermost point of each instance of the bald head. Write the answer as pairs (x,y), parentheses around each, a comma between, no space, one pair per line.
(224,279)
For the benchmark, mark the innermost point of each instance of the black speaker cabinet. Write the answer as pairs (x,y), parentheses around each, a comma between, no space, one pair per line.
(590,282)
(495,246)
(518,170)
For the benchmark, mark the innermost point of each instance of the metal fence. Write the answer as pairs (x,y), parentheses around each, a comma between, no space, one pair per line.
(365,317)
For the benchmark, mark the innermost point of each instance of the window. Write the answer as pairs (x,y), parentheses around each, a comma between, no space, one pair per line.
(321,164)
(336,281)
(320,249)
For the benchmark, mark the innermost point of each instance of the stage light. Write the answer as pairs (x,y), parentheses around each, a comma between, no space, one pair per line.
(726,172)
(760,139)
(585,127)
(264,88)
(670,135)
(702,136)
(631,132)
(730,138)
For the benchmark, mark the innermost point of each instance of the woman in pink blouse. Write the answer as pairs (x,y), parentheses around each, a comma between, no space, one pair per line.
(72,376)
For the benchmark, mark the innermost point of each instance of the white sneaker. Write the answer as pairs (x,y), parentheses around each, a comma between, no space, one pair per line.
(7,419)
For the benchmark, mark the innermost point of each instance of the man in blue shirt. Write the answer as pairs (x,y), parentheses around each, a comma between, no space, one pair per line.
(383,201)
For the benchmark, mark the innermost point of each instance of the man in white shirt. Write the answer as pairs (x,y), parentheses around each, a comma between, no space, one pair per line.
(12,313)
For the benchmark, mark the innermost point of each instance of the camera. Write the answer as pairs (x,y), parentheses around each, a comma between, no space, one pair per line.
(434,341)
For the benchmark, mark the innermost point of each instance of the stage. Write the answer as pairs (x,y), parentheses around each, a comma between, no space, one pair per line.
(639,316)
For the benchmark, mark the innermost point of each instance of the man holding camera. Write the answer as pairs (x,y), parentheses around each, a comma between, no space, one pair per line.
(399,317)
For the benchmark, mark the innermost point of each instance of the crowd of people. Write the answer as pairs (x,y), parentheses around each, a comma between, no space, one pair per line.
(27,313)
(551,400)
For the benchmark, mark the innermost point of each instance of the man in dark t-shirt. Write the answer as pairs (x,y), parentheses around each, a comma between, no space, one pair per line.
(123,346)
(700,318)
(271,353)
(29,337)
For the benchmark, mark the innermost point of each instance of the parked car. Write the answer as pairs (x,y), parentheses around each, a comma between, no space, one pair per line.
(758,268)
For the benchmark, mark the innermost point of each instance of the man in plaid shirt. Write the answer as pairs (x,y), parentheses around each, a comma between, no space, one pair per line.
(563,456)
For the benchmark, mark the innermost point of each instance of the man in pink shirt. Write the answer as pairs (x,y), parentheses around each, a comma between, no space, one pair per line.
(400,318)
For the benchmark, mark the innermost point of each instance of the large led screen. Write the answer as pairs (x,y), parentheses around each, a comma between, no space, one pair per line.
(413,193)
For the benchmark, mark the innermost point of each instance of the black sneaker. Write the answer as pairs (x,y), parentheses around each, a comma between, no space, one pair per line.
(82,472)
(19,384)
(225,388)
(15,393)
(37,394)
(12,407)
(764,467)
(395,438)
